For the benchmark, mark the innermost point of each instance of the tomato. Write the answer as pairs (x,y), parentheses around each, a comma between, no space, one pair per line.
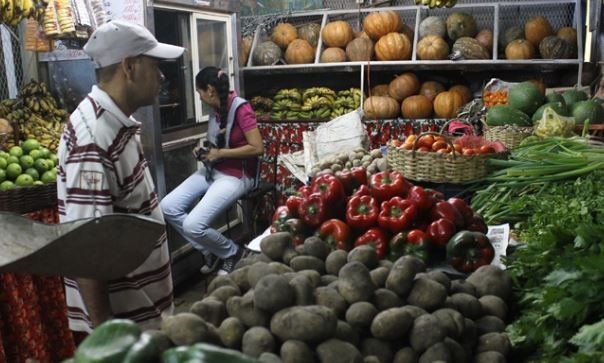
(426,140)
(439,138)
(440,144)
(468,151)
(486,149)
(424,149)
(411,138)
(396,143)
(458,148)
(444,150)
(407,146)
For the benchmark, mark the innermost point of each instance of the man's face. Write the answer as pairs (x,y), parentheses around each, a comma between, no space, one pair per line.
(146,81)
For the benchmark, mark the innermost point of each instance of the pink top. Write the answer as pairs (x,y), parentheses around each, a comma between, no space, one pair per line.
(245,120)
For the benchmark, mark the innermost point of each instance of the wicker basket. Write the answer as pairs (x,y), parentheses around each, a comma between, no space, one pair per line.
(510,136)
(28,199)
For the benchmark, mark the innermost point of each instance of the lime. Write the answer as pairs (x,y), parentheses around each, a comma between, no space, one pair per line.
(41,165)
(4,154)
(6,185)
(45,152)
(2,175)
(36,154)
(3,163)
(48,177)
(24,180)
(29,145)
(13,171)
(12,159)
(16,151)
(38,182)
(33,172)
(54,158)
(26,161)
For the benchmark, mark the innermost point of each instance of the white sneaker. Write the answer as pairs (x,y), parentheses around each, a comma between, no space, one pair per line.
(229,263)
(211,264)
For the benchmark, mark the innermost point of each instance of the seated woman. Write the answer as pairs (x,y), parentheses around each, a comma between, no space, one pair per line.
(228,172)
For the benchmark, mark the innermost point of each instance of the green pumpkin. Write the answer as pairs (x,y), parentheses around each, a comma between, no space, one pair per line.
(470,48)
(573,96)
(510,34)
(525,97)
(501,115)
(266,53)
(559,107)
(588,110)
(553,47)
(311,33)
(432,25)
(555,97)
(461,25)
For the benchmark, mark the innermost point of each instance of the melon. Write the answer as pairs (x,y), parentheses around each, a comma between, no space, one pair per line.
(525,97)
(588,110)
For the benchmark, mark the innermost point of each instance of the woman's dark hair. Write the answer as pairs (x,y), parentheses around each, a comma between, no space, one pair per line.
(219,79)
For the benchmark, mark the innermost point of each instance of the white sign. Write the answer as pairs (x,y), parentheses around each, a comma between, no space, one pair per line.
(499,236)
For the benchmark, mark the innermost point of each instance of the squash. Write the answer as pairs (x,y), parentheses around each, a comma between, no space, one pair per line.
(284,34)
(379,23)
(299,52)
(381,107)
(553,47)
(337,34)
(537,28)
(432,47)
(559,107)
(573,96)
(501,115)
(333,55)
(520,49)
(246,47)
(525,97)
(393,46)
(588,110)
(447,104)
(469,48)
(432,25)
(266,53)
(405,29)
(569,34)
(380,90)
(509,35)
(464,91)
(361,34)
(555,97)
(485,37)
(311,33)
(360,49)
(460,25)
(431,88)
(540,86)
(417,106)
(403,86)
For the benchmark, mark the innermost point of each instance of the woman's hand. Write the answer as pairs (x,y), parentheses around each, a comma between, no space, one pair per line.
(213,155)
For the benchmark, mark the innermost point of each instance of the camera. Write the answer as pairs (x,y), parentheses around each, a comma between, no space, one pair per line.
(203,150)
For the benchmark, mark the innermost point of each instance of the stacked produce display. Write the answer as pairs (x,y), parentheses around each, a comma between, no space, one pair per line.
(27,165)
(13,11)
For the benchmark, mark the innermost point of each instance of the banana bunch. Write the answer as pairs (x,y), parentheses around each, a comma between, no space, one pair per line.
(347,101)
(38,99)
(287,104)
(436,3)
(318,102)
(318,91)
(6,107)
(261,105)
(48,133)
(13,11)
(292,94)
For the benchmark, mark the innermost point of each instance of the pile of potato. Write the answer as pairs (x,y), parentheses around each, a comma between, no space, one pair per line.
(309,304)
(373,161)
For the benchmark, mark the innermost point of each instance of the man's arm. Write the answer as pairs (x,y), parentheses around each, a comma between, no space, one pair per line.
(96,297)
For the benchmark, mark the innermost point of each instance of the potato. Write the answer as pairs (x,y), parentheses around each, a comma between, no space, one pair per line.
(347,333)
(441,278)
(467,304)
(458,353)
(376,153)
(243,308)
(382,164)
(331,298)
(360,314)
(312,323)
(366,158)
(256,341)
(405,355)
(351,155)
(220,281)
(372,168)
(365,164)
(400,278)
(275,244)
(307,263)
(280,268)
(303,290)
(289,254)
(258,271)
(385,299)
(414,311)
(378,348)
(328,279)
(185,329)
(295,351)
(335,350)
(342,157)
(371,359)
(435,353)
(496,342)
(386,263)
(379,276)
(355,282)
(213,335)
(462,286)
(493,305)
(314,171)
(336,167)
(335,261)
(316,247)
(491,280)
(225,292)
(470,335)
(273,293)
(313,276)
(365,254)
(269,358)
(425,332)
(427,294)
(489,357)
(391,324)
(356,162)
(490,324)
(348,165)
(231,332)
(300,250)
(334,284)
(160,338)
(252,259)
(210,309)
(452,321)
(239,276)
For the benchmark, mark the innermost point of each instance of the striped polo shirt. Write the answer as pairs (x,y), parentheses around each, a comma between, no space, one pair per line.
(109,174)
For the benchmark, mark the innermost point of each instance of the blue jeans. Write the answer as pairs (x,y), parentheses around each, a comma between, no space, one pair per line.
(218,195)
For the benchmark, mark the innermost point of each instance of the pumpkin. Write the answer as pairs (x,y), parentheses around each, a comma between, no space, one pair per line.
(405,29)
(469,48)
(311,33)
(431,88)
(360,49)
(266,53)
(361,34)
(418,106)
(333,55)
(537,28)
(539,84)
(381,107)
(246,47)
(380,23)
(403,86)
(380,90)
(464,91)
(337,34)
(393,46)
(569,34)
(509,35)
(485,37)
(520,49)
(432,25)
(553,47)
(432,47)
(460,25)
(299,52)
(283,34)
(446,104)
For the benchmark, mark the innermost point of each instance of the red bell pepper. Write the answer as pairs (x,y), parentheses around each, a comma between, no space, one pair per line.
(293,201)
(362,190)
(462,207)
(385,185)
(440,232)
(352,179)
(467,251)
(282,214)
(359,175)
(397,214)
(447,211)
(362,212)
(375,237)
(438,196)
(336,234)
(413,243)
(330,188)
(298,230)
(477,224)
(424,200)
(314,210)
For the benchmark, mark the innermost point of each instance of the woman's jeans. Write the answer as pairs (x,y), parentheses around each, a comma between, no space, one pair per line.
(218,195)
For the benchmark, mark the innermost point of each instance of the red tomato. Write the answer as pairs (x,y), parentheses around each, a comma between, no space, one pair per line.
(439,144)
(439,138)
(424,149)
(468,151)
(397,143)
(458,148)
(407,146)
(444,150)
(486,149)
(426,140)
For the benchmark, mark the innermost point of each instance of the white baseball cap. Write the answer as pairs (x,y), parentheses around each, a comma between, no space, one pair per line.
(112,42)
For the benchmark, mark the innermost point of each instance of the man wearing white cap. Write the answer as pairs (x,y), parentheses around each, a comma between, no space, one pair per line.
(102,170)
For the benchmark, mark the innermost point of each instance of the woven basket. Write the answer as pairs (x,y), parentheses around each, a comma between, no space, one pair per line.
(437,167)
(510,136)
(28,199)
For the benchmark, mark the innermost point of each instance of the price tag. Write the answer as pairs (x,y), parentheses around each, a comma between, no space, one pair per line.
(499,236)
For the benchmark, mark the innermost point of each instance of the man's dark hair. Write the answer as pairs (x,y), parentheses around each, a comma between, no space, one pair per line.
(105,74)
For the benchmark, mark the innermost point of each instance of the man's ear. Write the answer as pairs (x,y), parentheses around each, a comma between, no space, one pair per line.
(127,66)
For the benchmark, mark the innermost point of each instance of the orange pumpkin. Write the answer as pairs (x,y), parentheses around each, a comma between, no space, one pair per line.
(431,88)
(333,55)
(432,47)
(520,49)
(284,34)
(405,29)
(299,52)
(337,34)
(446,104)
(360,49)
(539,84)
(403,86)
(380,90)
(380,23)
(381,107)
(393,46)
(537,28)
(485,37)
(418,106)
(464,91)
(569,34)
(361,35)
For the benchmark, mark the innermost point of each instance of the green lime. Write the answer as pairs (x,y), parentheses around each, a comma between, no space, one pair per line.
(45,152)
(26,161)
(4,154)
(48,177)
(41,165)
(2,175)
(54,158)
(29,145)
(33,172)
(13,171)
(36,154)
(6,185)
(24,180)
(38,182)
(16,151)
(51,164)
(12,159)
(3,163)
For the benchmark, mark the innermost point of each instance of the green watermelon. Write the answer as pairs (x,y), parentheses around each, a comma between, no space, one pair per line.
(573,96)
(501,115)
(588,110)
(525,97)
(559,107)
(555,97)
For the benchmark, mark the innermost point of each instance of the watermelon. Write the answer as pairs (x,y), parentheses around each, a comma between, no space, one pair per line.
(501,115)
(555,97)
(588,110)
(525,97)
(559,107)
(573,96)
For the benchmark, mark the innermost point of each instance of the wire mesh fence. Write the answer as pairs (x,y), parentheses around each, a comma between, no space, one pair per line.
(11,62)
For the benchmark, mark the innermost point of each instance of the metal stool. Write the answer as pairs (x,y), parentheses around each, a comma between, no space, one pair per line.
(249,204)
